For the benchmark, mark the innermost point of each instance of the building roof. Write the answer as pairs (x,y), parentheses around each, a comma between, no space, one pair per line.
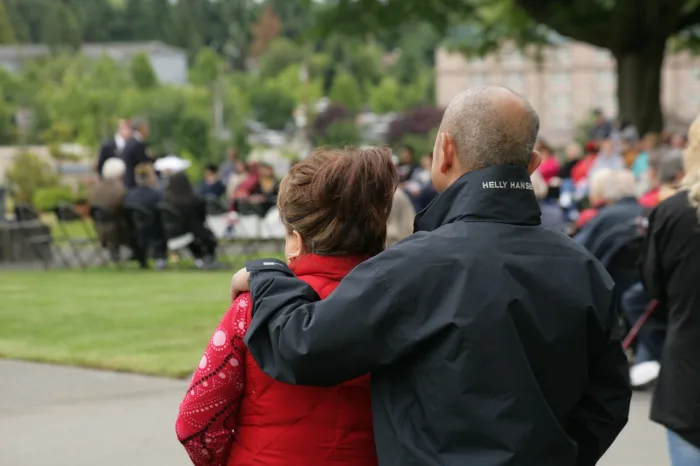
(116,50)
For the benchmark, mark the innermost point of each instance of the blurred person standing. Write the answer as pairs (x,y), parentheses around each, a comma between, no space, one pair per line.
(420,188)
(407,163)
(134,151)
(476,353)
(602,127)
(671,265)
(114,146)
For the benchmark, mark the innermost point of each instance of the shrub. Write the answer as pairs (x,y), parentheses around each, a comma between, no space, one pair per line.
(272,105)
(333,113)
(47,199)
(340,133)
(27,174)
(419,121)
(335,126)
(346,91)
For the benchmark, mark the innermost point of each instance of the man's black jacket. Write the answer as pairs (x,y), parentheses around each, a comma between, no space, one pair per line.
(134,153)
(491,340)
(108,149)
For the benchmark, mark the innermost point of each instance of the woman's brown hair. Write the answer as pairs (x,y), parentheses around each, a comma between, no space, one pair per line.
(339,200)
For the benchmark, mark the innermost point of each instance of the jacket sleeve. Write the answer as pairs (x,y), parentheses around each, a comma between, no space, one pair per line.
(208,412)
(603,410)
(368,322)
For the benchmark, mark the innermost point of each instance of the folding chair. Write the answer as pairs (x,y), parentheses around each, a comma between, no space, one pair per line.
(218,222)
(176,235)
(66,214)
(26,217)
(101,218)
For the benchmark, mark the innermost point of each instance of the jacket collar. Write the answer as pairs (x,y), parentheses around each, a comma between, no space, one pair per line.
(495,194)
(330,267)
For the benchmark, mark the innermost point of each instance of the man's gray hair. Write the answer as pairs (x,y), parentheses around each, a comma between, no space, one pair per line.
(490,131)
(670,166)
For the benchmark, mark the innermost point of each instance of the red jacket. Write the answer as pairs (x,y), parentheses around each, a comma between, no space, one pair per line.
(246,418)
(650,199)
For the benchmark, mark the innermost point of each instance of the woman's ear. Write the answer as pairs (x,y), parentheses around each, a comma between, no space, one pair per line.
(295,247)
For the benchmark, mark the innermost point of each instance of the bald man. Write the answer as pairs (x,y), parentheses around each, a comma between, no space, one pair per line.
(491,340)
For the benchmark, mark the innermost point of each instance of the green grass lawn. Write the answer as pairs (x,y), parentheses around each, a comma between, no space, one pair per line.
(135,321)
(75,229)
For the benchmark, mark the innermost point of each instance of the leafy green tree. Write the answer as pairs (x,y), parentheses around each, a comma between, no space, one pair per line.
(346,91)
(27,174)
(636,33)
(385,97)
(7,32)
(206,68)
(272,105)
(280,54)
(61,27)
(142,72)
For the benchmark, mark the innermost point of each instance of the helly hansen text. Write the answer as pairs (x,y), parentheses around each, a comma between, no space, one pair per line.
(506,185)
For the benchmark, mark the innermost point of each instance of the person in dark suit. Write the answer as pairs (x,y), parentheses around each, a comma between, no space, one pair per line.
(134,152)
(113,147)
(147,196)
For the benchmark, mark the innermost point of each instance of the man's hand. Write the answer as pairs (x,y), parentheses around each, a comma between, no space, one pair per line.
(239,283)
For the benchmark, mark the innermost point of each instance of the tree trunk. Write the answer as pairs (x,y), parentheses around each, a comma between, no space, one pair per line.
(639,87)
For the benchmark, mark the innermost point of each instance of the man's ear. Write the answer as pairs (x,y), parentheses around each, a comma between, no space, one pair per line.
(448,152)
(535,160)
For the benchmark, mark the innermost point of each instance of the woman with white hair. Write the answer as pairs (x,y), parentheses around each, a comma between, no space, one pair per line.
(671,267)
(108,194)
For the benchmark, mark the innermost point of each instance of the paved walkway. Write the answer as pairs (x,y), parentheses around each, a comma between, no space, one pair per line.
(56,416)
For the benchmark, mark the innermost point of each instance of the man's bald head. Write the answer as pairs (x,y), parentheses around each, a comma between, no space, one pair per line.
(491,126)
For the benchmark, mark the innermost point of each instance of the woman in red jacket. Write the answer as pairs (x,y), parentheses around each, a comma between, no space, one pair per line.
(335,206)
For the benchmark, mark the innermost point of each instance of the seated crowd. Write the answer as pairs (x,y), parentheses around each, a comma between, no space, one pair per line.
(602,196)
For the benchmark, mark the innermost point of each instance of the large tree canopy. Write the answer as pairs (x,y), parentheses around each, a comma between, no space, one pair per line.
(635,32)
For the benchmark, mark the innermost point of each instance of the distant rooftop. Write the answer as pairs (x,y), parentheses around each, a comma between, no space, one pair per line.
(116,50)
